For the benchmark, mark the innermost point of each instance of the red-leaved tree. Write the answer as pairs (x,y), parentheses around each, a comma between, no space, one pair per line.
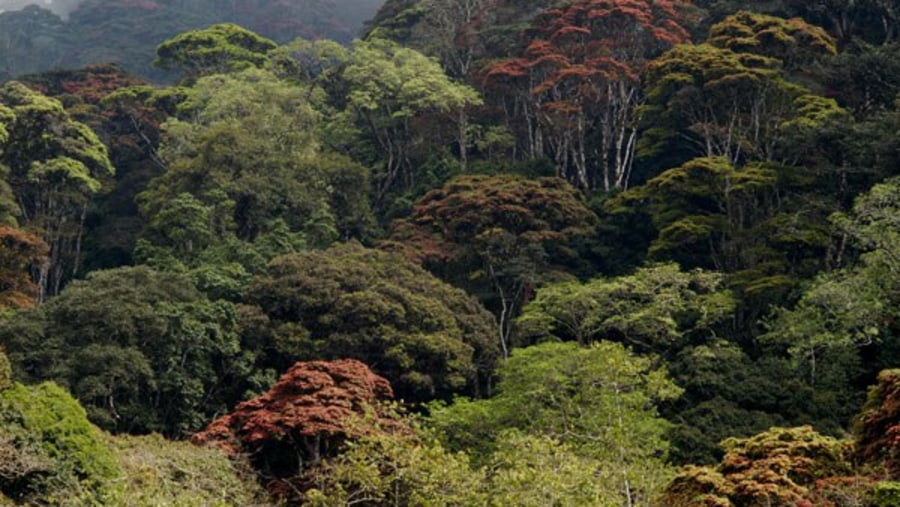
(20,251)
(581,72)
(305,417)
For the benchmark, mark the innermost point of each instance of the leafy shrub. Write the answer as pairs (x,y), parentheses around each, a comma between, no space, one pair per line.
(163,472)
(887,494)
(60,458)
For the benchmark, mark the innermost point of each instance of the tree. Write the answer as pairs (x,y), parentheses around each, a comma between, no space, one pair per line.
(304,418)
(248,178)
(389,88)
(582,66)
(781,466)
(865,79)
(702,206)
(758,223)
(847,311)
(793,41)
(537,470)
(125,113)
(501,235)
(874,21)
(875,427)
(51,453)
(55,165)
(142,350)
(5,371)
(600,399)
(730,104)
(218,48)
(387,466)
(656,310)
(428,338)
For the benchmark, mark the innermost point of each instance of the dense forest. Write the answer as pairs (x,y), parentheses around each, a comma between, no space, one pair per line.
(487,253)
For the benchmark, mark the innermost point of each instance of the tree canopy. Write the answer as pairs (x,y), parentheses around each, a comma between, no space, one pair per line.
(427,338)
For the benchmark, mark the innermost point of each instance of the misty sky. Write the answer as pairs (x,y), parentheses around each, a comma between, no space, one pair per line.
(61,7)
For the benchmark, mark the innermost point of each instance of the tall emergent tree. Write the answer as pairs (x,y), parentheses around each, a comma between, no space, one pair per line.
(218,48)
(391,88)
(582,70)
(732,95)
(53,165)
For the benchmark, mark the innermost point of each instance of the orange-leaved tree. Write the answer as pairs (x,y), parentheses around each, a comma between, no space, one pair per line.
(581,70)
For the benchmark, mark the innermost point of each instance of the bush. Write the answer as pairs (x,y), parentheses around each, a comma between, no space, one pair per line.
(162,472)
(887,494)
(60,458)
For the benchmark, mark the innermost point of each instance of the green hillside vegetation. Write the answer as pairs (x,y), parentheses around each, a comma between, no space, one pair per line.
(52,455)
(492,252)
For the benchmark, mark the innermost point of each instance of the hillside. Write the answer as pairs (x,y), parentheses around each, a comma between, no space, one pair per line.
(596,253)
(38,37)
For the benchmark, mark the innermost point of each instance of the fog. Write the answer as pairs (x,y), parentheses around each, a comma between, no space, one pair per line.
(62,8)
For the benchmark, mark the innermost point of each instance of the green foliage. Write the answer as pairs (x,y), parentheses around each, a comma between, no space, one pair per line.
(156,471)
(538,470)
(247,178)
(400,468)
(793,41)
(600,399)
(53,165)
(5,371)
(657,309)
(842,313)
(412,468)
(865,78)
(62,455)
(388,87)
(738,219)
(724,102)
(143,350)
(730,394)
(429,339)
(216,49)
(886,494)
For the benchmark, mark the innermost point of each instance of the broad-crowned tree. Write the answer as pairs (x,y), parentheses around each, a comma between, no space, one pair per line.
(428,338)
(218,48)
(781,466)
(500,236)
(658,309)
(600,399)
(142,350)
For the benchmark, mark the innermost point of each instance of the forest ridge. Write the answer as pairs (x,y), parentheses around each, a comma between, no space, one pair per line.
(487,253)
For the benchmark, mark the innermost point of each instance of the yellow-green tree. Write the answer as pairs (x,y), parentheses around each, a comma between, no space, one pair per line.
(600,400)
(53,165)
